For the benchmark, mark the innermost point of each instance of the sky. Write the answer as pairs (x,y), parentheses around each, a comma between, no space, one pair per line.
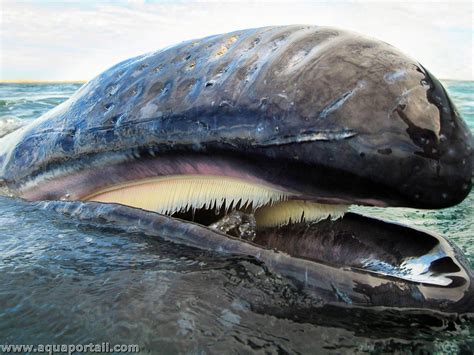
(76,40)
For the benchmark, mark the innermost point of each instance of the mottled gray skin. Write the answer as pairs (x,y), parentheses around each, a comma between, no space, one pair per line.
(330,114)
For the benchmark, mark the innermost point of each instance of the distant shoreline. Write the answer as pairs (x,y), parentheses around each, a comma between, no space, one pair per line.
(43,81)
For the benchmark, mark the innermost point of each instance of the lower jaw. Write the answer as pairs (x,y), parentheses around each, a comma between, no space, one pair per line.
(355,260)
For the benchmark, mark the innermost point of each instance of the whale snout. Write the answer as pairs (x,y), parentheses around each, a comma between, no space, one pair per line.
(399,144)
(442,174)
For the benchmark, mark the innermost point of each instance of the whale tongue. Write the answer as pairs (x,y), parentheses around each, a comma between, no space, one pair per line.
(350,242)
(367,244)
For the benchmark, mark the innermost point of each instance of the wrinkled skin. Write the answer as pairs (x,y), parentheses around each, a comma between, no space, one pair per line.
(328,115)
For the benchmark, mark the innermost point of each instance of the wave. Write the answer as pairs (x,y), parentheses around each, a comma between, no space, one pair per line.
(9,124)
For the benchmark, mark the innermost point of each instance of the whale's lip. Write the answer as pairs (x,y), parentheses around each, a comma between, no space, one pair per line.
(77,179)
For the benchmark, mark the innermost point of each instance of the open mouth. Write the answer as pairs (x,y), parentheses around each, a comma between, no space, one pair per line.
(245,206)
(259,204)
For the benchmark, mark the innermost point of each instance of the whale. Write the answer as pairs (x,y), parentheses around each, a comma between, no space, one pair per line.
(257,142)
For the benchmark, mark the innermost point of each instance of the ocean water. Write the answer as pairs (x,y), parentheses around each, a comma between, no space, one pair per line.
(66,282)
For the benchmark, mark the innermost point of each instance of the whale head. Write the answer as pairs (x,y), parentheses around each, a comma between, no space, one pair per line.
(289,124)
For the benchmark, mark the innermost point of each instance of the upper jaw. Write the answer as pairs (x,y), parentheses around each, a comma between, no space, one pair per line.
(79,180)
(75,179)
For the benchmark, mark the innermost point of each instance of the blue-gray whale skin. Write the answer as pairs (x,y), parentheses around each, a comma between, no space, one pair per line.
(333,116)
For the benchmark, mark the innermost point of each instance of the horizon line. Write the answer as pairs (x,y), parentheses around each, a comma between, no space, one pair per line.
(34,81)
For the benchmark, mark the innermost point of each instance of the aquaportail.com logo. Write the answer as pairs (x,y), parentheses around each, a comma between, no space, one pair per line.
(69,348)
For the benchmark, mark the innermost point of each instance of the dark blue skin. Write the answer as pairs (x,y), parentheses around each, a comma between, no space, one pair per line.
(332,116)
